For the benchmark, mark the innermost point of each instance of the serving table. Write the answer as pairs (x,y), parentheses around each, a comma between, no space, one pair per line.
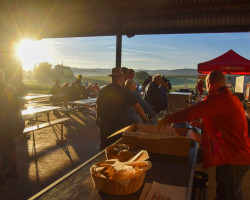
(78,184)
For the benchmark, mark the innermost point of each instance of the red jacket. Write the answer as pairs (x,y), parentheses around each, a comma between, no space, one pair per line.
(225,137)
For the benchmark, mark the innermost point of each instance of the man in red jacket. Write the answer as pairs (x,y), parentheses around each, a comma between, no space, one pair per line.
(225,141)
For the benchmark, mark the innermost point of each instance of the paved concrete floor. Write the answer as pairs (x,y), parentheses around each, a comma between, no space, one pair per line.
(41,164)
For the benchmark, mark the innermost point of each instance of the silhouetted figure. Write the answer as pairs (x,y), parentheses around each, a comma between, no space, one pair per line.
(131,74)
(152,94)
(125,71)
(66,91)
(74,92)
(111,108)
(57,92)
(79,80)
(83,91)
(132,116)
(11,124)
(96,87)
(146,82)
(165,88)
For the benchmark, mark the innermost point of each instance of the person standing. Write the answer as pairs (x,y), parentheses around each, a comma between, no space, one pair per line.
(225,142)
(111,108)
(78,80)
(10,116)
(125,71)
(131,74)
(146,82)
(165,87)
(153,95)
(132,116)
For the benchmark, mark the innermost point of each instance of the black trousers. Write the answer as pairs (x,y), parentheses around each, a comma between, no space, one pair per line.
(104,134)
(229,181)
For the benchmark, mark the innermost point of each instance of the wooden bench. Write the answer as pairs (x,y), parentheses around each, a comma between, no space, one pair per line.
(92,105)
(67,111)
(47,124)
(39,101)
(32,119)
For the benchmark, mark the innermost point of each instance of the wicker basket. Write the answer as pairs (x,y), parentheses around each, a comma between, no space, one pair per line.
(113,188)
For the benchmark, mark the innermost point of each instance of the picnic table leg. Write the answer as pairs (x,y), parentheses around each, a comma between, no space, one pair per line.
(34,143)
(62,141)
(62,133)
(47,114)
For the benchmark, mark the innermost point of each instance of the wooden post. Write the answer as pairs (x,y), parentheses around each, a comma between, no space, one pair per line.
(118,50)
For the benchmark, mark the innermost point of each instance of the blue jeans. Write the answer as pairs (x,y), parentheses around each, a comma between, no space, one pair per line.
(229,180)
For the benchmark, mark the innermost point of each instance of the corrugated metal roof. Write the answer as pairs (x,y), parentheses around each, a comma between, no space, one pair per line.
(76,18)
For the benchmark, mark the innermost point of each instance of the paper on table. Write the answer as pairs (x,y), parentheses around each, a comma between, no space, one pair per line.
(145,191)
(166,192)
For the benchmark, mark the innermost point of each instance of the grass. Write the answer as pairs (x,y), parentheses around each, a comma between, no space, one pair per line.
(177,82)
(34,86)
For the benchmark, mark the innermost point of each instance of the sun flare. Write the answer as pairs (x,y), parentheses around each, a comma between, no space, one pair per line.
(33,52)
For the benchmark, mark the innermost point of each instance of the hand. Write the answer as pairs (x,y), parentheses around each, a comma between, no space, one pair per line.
(194,135)
(163,122)
(196,124)
(146,120)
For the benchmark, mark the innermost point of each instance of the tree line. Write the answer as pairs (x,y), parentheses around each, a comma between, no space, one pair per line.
(44,72)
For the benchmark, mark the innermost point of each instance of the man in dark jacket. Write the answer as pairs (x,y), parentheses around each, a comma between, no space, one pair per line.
(9,115)
(153,96)
(111,108)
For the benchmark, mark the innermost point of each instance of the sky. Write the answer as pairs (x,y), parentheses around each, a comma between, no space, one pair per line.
(171,51)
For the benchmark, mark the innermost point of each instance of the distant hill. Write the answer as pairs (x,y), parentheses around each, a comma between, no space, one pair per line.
(106,72)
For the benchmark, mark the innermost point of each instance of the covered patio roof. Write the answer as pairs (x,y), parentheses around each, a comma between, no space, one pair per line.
(38,19)
(79,18)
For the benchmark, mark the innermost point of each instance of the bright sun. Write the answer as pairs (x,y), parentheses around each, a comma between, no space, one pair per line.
(33,52)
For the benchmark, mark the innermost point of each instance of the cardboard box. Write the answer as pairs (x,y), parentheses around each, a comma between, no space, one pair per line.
(170,141)
(178,101)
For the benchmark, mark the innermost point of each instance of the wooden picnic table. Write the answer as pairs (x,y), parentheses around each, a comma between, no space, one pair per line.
(38,110)
(35,97)
(84,102)
(78,184)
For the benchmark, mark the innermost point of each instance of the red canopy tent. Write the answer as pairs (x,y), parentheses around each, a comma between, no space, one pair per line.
(229,63)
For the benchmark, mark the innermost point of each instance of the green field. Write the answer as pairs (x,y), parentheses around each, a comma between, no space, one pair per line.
(177,82)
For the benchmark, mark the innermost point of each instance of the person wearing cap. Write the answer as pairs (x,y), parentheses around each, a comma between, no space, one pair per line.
(78,80)
(9,127)
(225,142)
(111,108)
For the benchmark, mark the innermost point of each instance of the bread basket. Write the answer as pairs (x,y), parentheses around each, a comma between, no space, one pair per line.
(114,188)
(110,154)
